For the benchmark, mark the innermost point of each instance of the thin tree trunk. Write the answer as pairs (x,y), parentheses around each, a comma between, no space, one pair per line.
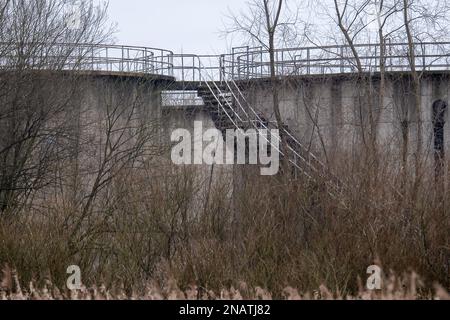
(417,99)
(365,92)
(271,27)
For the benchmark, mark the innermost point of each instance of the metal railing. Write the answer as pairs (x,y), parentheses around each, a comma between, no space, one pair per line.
(249,63)
(87,57)
(244,63)
(189,67)
(243,116)
(241,63)
(177,98)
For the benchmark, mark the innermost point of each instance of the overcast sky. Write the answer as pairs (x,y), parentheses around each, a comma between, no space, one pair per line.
(189,25)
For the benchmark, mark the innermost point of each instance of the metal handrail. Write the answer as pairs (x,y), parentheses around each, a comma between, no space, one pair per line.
(255,63)
(242,63)
(87,57)
(250,63)
(217,92)
(256,122)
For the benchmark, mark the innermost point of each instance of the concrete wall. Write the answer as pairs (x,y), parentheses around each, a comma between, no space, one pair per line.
(129,106)
(118,98)
(329,114)
(207,177)
(334,110)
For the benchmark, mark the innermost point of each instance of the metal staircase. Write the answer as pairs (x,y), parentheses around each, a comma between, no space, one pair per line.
(229,109)
(219,104)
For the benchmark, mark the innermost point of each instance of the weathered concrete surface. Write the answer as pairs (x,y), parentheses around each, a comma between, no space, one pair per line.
(331,113)
(111,111)
(207,178)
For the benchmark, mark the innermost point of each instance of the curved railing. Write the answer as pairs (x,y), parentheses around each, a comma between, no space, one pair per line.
(242,63)
(250,63)
(88,57)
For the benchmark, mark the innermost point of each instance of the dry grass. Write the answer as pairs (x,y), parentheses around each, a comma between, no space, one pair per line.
(395,288)
(271,234)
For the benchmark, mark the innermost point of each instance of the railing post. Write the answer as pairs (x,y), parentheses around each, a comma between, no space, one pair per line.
(232,66)
(151,61)
(261,62)
(121,60)
(182,69)
(248,62)
(221,68)
(424,58)
(238,67)
(107,60)
(342,60)
(92,57)
(193,68)
(145,57)
(253,65)
(128,60)
(308,61)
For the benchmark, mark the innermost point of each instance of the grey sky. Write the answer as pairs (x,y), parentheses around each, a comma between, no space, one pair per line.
(192,26)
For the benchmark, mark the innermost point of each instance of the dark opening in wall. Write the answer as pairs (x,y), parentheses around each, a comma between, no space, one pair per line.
(439,109)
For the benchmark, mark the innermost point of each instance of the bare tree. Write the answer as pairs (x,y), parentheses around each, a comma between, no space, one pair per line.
(416,91)
(269,23)
(352,22)
(423,21)
(119,135)
(409,21)
(36,90)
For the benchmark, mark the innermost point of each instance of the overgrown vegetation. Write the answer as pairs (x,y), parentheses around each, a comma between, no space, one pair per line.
(291,234)
(407,287)
(91,186)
